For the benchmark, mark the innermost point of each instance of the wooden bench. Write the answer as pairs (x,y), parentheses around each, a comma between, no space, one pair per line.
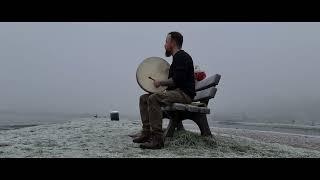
(196,111)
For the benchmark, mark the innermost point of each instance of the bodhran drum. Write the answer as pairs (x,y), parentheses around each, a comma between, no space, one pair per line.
(152,68)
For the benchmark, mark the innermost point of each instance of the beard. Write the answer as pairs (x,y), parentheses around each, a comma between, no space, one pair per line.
(168,53)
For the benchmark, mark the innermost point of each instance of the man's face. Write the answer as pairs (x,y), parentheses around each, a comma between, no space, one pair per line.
(168,46)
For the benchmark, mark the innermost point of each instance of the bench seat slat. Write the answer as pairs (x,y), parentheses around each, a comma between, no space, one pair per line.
(186,107)
(208,82)
(205,94)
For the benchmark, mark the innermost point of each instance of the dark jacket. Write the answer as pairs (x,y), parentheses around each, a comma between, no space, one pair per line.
(182,73)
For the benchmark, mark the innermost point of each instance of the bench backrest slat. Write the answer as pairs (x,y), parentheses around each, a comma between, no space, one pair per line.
(205,94)
(208,82)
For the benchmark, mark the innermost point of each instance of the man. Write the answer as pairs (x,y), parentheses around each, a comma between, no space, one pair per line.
(181,89)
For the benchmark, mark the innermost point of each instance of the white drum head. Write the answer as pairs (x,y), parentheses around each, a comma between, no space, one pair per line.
(156,68)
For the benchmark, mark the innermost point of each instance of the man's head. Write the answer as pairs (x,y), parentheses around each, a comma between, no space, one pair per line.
(174,41)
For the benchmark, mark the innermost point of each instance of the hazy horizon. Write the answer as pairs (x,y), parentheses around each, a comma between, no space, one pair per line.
(90,67)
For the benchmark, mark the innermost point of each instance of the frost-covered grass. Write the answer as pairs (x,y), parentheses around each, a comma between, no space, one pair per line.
(87,138)
(273,125)
(190,144)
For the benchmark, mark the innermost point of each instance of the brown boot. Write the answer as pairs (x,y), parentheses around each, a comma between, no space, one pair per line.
(157,142)
(143,137)
(135,135)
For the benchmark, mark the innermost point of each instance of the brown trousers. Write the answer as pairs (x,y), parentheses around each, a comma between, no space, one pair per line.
(150,108)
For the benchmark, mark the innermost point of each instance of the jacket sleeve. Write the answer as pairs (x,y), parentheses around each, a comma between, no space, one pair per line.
(168,82)
(179,73)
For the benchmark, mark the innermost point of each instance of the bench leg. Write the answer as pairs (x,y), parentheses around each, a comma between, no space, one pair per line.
(180,126)
(202,122)
(173,124)
(171,128)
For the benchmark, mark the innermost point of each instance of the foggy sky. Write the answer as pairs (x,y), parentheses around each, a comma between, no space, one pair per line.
(90,67)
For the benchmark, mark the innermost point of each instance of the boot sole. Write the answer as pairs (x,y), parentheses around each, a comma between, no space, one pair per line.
(153,148)
(157,147)
(141,141)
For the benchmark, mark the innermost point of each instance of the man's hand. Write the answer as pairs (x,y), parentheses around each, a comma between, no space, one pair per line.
(156,83)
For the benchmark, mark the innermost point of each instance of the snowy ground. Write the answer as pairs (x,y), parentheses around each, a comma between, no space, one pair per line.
(277,127)
(100,137)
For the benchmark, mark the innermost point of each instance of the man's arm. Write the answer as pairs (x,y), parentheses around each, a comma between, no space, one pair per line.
(179,72)
(168,82)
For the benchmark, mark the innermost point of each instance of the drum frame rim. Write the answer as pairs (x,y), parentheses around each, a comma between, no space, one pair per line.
(138,68)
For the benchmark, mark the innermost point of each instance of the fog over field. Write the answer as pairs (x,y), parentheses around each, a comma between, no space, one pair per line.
(270,71)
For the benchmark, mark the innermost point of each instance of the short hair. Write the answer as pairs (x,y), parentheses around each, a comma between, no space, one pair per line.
(177,37)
